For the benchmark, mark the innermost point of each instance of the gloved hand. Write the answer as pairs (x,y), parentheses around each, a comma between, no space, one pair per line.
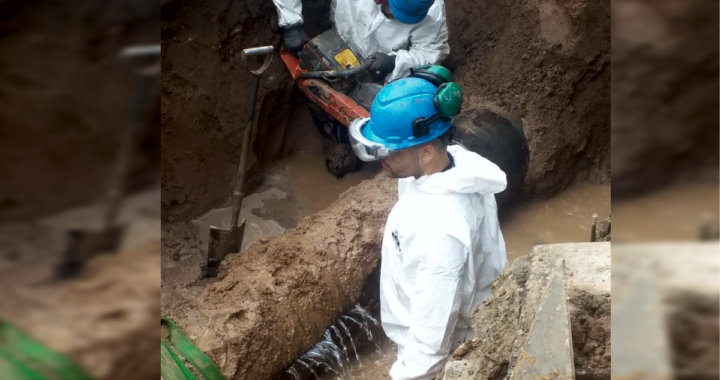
(294,37)
(384,64)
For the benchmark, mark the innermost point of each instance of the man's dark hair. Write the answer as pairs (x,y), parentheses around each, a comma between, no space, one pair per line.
(441,142)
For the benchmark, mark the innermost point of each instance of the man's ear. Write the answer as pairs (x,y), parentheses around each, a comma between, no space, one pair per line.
(427,152)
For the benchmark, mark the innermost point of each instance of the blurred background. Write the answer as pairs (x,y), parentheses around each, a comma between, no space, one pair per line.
(79,186)
(665,263)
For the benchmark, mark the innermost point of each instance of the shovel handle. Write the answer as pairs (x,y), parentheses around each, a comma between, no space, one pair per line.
(239,191)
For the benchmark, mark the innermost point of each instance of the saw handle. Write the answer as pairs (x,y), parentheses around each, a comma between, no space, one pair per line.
(344,73)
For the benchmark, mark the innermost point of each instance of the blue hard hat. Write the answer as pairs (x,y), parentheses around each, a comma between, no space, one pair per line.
(395,108)
(410,11)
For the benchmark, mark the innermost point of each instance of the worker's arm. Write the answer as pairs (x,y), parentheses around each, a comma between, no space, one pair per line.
(437,263)
(289,12)
(428,45)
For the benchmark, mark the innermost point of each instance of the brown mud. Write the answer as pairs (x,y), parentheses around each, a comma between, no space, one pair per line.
(546,62)
(298,186)
(275,299)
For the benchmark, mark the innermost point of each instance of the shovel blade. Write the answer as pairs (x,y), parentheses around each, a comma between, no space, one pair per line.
(83,245)
(222,242)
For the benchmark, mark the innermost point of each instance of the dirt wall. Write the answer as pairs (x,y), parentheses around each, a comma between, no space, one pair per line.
(66,96)
(548,62)
(205,90)
(664,90)
(545,61)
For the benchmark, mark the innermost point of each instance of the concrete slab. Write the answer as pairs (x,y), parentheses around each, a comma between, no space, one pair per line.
(639,330)
(548,352)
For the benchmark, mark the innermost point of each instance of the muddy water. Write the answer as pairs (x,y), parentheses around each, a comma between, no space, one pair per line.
(564,218)
(675,213)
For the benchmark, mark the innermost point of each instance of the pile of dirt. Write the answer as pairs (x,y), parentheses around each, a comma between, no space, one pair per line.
(664,90)
(274,301)
(66,96)
(548,62)
(501,323)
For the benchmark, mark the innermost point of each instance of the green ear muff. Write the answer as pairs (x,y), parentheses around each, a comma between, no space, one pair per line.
(434,74)
(448,101)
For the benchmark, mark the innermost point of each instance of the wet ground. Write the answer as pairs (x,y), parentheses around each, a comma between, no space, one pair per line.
(299,185)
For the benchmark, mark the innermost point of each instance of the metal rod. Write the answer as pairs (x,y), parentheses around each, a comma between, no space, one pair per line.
(593,228)
(141,51)
(239,191)
(259,51)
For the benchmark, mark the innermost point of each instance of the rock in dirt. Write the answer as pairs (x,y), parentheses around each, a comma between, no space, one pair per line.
(274,300)
(502,323)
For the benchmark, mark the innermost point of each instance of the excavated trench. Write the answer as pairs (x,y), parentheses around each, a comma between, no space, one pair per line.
(312,242)
(274,301)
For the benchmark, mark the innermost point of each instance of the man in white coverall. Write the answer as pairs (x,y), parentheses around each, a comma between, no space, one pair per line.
(401,34)
(442,246)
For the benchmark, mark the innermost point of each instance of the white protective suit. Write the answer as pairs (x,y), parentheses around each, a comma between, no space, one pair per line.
(441,250)
(362,25)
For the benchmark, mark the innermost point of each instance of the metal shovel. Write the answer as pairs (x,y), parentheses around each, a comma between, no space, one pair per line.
(223,242)
(84,244)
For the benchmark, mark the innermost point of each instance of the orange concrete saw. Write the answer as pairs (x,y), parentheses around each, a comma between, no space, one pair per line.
(332,77)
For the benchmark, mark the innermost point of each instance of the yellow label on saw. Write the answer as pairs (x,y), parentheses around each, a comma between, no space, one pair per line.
(347,59)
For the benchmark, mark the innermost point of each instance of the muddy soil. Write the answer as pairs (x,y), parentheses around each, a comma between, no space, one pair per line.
(501,323)
(106,320)
(299,185)
(544,61)
(204,98)
(664,90)
(66,97)
(548,62)
(274,300)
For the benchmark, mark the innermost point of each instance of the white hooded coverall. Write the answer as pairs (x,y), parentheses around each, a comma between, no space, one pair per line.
(441,250)
(362,25)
